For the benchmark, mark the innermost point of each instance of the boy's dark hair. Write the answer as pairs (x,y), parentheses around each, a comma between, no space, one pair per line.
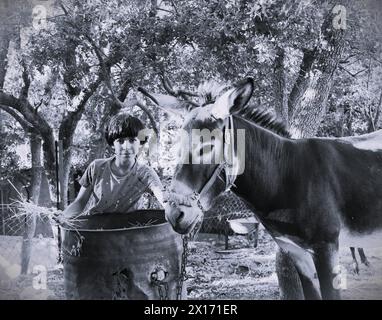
(123,125)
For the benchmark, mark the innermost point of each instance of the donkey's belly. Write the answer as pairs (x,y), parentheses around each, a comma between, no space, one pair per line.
(352,239)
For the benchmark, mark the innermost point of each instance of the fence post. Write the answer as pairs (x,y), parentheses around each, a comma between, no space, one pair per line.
(26,247)
(58,146)
(2,220)
(2,212)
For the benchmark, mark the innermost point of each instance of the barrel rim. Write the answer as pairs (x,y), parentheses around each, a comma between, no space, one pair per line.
(114,230)
(118,229)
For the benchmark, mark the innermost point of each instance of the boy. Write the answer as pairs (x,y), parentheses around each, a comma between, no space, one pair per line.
(116,184)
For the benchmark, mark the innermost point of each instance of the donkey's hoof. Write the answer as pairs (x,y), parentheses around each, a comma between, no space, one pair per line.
(366,263)
(355,268)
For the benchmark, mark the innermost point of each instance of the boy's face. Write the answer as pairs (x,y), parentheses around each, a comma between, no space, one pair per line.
(126,148)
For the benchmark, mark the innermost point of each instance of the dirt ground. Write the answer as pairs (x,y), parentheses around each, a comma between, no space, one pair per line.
(242,272)
(249,273)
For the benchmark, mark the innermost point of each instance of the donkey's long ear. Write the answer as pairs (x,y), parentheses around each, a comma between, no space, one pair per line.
(169,103)
(233,100)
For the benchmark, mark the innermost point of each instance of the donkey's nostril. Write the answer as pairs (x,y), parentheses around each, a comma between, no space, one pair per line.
(181,216)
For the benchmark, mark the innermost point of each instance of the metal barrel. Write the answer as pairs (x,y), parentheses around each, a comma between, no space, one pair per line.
(133,256)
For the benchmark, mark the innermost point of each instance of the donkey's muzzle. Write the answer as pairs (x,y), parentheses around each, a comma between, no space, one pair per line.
(181,218)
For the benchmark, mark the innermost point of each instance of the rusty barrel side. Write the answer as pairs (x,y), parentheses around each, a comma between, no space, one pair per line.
(134,256)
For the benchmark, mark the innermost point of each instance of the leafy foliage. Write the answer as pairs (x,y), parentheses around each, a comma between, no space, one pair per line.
(134,43)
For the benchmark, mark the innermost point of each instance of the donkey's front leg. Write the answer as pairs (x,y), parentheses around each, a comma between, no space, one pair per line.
(328,269)
(305,267)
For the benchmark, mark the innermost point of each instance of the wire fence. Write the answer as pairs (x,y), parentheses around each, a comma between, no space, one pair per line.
(10,225)
(28,249)
(226,207)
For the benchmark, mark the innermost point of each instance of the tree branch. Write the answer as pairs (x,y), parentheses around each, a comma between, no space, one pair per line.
(38,105)
(68,76)
(354,75)
(39,124)
(124,90)
(146,110)
(346,60)
(177,92)
(165,10)
(174,6)
(172,91)
(27,82)
(63,8)
(24,123)
(297,90)
(105,69)
(25,108)
(70,121)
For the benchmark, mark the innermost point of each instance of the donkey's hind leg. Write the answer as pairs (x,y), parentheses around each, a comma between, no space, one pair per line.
(355,262)
(328,269)
(363,257)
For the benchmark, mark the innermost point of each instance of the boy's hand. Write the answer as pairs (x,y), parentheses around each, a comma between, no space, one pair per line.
(58,217)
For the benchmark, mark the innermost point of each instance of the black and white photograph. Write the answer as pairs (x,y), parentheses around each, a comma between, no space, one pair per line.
(199,150)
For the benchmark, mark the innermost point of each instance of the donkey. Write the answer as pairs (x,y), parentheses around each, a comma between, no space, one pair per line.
(304,191)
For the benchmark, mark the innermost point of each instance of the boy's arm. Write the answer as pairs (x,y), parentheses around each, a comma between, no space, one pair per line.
(156,186)
(78,205)
(158,192)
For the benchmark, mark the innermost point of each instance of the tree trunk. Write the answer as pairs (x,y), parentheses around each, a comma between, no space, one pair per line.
(65,177)
(4,45)
(309,95)
(379,111)
(30,222)
(301,85)
(280,88)
(26,114)
(97,149)
(373,118)
(66,134)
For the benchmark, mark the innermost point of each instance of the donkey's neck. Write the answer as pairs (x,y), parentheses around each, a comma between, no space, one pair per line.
(268,168)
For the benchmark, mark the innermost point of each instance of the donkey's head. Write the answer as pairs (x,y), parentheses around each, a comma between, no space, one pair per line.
(206,166)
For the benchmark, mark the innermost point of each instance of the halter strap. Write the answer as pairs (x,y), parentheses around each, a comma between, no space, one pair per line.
(232,163)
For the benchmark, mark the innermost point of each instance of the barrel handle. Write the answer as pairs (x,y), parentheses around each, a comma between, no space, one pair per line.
(159,274)
(159,278)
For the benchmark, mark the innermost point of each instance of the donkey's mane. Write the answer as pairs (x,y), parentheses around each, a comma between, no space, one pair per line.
(210,90)
(265,119)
